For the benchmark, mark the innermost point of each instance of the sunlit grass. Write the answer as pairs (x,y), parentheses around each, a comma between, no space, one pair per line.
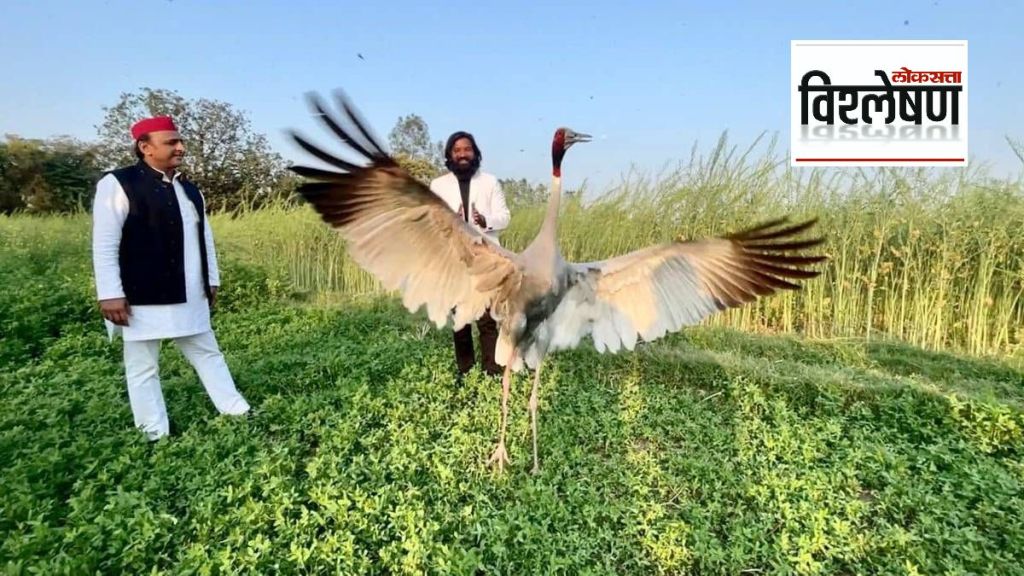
(712,451)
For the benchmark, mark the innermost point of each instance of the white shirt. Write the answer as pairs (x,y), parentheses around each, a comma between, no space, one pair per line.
(148,322)
(485,194)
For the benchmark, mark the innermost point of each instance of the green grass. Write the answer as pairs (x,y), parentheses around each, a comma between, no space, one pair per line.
(714,451)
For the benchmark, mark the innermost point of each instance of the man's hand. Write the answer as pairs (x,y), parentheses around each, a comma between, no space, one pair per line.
(479,218)
(213,296)
(116,310)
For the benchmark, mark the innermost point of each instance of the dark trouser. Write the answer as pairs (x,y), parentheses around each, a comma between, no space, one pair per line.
(464,354)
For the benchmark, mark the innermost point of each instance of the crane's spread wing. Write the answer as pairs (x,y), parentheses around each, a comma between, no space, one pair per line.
(400,231)
(660,289)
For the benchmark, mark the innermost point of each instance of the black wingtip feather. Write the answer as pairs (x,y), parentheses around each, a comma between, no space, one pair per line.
(797,245)
(351,129)
(764,231)
(328,158)
(335,127)
(314,173)
(758,228)
(358,121)
(783,271)
(769,253)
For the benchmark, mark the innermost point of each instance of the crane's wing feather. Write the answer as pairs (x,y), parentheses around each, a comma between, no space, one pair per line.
(400,231)
(656,290)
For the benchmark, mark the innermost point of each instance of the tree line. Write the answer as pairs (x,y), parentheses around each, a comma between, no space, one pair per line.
(233,165)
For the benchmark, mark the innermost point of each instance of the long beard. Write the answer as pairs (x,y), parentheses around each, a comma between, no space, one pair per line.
(464,170)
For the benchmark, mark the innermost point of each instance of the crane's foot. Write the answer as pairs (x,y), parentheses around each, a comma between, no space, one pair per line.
(500,457)
(535,470)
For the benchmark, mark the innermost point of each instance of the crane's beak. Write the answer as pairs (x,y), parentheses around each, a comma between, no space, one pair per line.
(575,137)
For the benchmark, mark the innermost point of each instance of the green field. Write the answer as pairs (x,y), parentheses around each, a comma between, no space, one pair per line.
(873,424)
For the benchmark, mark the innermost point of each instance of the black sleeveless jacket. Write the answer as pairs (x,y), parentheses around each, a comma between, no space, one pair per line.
(152,252)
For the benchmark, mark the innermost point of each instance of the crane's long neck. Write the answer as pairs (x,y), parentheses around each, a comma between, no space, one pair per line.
(549,230)
(550,227)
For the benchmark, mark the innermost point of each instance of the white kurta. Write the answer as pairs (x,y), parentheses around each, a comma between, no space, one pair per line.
(485,194)
(110,208)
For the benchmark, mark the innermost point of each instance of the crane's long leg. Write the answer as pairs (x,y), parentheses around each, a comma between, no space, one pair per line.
(500,455)
(533,417)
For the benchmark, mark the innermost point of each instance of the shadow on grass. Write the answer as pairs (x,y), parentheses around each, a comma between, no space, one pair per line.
(965,374)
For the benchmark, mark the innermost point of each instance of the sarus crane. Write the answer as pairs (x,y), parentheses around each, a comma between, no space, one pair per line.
(398,230)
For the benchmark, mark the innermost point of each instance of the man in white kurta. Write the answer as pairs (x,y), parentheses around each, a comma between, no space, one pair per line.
(477,197)
(143,327)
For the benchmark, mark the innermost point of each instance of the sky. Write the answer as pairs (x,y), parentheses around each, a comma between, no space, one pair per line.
(649,80)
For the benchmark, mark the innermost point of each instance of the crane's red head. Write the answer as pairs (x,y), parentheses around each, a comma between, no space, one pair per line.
(564,138)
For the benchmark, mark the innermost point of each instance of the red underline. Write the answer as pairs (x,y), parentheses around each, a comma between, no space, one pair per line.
(879,159)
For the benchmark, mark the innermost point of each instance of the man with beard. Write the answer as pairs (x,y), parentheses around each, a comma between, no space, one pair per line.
(477,197)
(156,273)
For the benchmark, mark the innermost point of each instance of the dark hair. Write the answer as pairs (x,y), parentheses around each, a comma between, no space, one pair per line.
(477,155)
(138,153)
